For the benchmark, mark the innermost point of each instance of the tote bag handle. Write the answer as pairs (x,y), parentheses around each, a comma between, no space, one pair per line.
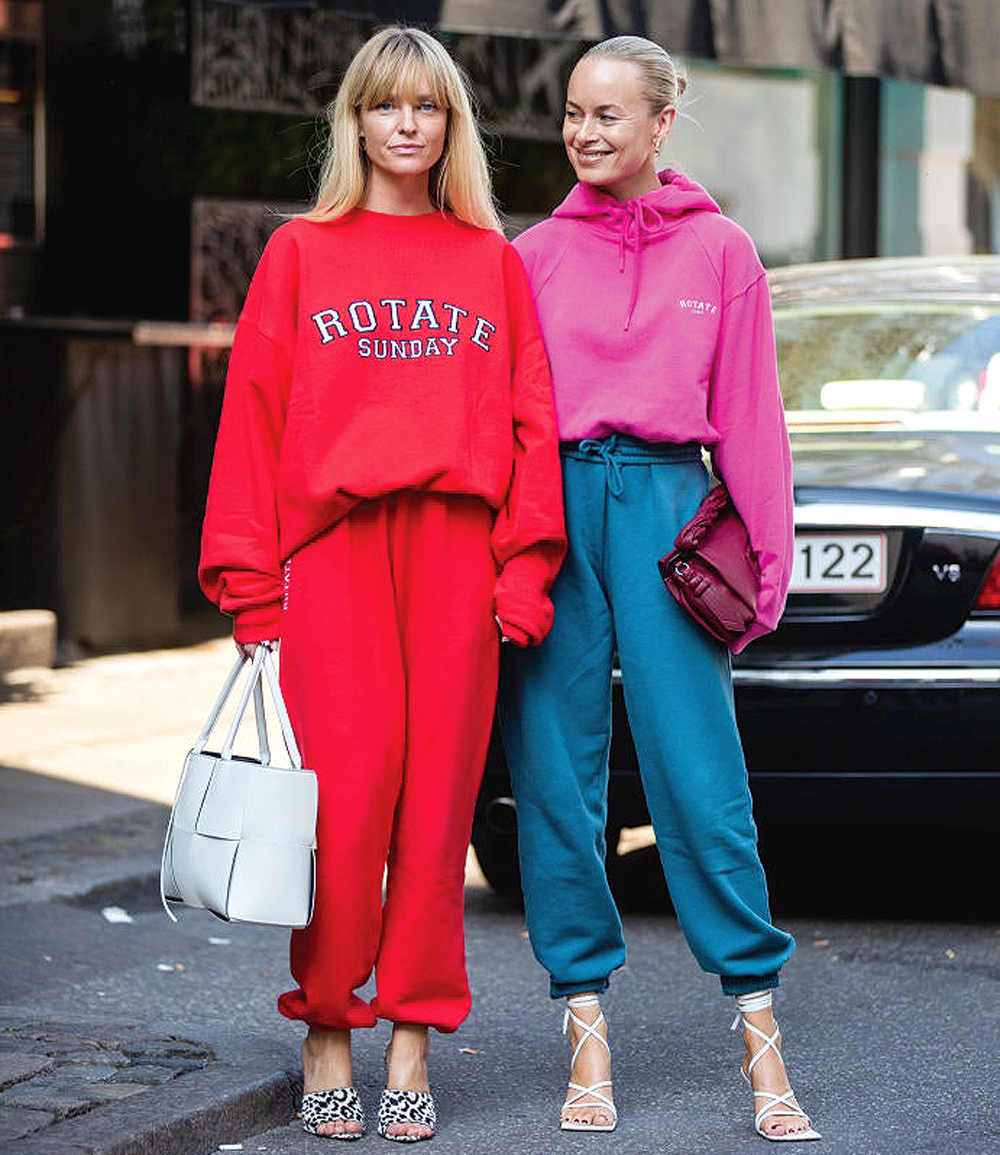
(263,664)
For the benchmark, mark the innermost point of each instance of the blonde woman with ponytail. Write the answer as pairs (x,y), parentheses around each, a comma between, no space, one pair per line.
(385,500)
(657,321)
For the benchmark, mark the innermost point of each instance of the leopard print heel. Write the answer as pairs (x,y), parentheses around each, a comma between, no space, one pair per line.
(339,1105)
(406,1107)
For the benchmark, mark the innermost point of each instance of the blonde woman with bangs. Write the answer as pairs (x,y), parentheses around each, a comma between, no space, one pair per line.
(385,500)
(459,181)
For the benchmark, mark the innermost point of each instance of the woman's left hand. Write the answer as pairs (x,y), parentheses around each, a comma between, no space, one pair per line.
(511,633)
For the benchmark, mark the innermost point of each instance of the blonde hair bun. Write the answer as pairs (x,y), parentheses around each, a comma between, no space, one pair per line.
(662,82)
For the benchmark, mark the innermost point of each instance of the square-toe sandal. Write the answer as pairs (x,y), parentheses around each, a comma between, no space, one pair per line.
(338,1105)
(595,1093)
(774,1105)
(406,1107)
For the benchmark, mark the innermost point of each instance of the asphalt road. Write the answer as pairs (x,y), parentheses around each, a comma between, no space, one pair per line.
(891,1028)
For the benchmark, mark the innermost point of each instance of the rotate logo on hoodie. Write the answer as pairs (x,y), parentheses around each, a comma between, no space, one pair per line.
(705,308)
(426,328)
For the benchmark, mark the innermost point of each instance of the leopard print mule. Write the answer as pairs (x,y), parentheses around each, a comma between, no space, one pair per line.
(339,1105)
(406,1107)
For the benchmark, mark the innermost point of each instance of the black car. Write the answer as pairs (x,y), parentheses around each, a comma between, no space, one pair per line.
(876,703)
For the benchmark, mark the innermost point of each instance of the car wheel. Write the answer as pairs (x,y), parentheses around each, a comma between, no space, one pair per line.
(494,839)
(636,877)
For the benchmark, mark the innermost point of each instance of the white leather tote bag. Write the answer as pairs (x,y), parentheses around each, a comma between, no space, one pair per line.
(241,841)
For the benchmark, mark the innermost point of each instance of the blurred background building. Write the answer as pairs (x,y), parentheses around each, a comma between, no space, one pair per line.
(148,147)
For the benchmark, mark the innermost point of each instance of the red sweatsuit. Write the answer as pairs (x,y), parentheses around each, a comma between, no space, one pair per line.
(386,478)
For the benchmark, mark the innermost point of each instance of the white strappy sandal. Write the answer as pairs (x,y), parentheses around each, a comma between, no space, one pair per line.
(596,1090)
(774,1104)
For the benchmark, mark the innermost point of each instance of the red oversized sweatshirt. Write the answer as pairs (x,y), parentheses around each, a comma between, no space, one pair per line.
(374,354)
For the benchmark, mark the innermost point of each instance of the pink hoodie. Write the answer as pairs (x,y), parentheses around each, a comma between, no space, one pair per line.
(657,321)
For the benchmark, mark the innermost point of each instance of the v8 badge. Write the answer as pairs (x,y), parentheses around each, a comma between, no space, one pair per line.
(949,572)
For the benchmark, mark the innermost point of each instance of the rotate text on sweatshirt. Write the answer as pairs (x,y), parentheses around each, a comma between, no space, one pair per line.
(441,325)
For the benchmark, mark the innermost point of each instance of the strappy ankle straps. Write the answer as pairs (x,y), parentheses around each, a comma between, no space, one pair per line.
(590,1030)
(747,1004)
(754,1001)
(770,1043)
(580,1001)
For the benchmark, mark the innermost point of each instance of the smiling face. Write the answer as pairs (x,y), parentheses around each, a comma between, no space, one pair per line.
(404,133)
(611,137)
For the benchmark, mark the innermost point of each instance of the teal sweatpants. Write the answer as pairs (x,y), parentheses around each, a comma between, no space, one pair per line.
(625,501)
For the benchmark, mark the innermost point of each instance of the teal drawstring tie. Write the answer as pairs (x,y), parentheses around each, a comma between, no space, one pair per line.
(604,450)
(618,450)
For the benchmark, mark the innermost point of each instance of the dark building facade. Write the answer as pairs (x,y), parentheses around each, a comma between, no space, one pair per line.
(147,147)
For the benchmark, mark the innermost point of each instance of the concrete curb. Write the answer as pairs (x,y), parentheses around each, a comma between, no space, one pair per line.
(27,639)
(251,1085)
(105,859)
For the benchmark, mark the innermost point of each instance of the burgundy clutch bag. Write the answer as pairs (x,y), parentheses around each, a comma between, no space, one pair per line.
(712,571)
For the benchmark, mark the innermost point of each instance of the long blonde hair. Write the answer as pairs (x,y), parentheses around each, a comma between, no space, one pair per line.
(391,62)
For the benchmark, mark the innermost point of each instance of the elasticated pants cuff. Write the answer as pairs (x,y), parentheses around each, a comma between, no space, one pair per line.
(564,990)
(744,986)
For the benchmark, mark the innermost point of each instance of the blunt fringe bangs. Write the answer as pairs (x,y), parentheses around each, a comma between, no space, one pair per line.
(396,71)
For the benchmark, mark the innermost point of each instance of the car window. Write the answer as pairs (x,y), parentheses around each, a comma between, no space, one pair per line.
(921,365)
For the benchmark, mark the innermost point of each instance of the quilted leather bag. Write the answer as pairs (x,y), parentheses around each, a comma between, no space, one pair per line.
(241,841)
(712,571)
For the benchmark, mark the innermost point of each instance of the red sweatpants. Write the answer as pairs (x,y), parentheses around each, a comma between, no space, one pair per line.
(388,664)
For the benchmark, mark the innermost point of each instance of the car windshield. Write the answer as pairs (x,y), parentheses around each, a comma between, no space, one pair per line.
(930,366)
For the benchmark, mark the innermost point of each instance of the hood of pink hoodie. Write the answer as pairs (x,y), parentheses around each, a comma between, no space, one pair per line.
(635,224)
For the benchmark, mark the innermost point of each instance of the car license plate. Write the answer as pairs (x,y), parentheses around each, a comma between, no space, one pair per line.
(839,563)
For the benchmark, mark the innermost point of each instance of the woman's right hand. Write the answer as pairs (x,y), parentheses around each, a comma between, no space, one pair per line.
(247,649)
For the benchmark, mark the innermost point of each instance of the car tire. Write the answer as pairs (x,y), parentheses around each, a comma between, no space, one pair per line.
(494,839)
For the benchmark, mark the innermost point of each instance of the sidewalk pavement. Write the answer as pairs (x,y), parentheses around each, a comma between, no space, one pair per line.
(89,759)
(121,722)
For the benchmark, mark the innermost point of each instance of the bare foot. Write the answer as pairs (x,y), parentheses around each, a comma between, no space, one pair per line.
(769,1074)
(406,1060)
(326,1064)
(591,1066)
